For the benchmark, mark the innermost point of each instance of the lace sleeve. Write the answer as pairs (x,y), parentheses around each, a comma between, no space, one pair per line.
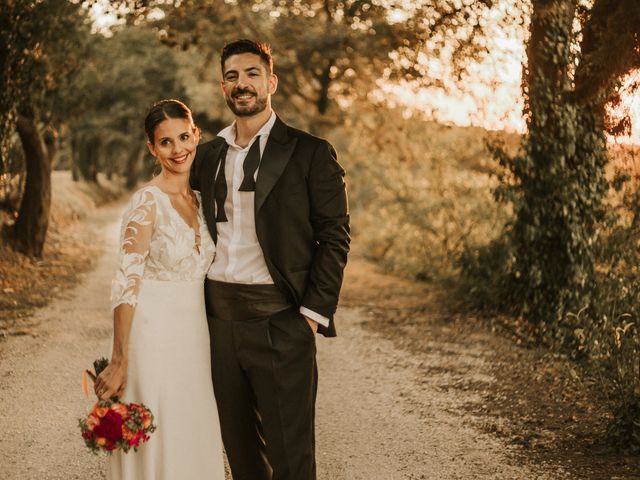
(137,227)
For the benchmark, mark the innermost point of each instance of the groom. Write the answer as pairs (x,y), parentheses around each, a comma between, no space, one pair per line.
(275,202)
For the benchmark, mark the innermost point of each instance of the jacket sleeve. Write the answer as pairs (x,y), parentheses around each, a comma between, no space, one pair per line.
(329,216)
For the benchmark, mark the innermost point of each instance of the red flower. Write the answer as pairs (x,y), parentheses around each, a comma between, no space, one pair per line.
(135,441)
(110,447)
(110,427)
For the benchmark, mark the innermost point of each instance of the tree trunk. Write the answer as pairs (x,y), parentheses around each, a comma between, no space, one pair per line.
(91,162)
(133,167)
(561,177)
(30,229)
(87,156)
(323,96)
(111,153)
(51,143)
(75,157)
(542,227)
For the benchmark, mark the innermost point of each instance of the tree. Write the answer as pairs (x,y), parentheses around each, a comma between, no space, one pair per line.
(559,181)
(41,46)
(327,53)
(121,78)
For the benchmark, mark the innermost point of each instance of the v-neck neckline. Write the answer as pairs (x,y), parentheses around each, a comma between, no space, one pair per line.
(197,233)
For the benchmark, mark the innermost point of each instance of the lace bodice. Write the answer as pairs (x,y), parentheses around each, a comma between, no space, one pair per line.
(156,243)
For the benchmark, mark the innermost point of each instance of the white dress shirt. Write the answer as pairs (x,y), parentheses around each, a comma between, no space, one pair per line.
(239,258)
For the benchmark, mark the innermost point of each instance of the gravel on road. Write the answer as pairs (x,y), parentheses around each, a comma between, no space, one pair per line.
(380,415)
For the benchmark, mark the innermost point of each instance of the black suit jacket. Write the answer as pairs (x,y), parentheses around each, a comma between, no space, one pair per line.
(301,214)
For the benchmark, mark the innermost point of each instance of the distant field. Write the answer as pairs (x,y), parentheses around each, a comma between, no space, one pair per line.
(421,191)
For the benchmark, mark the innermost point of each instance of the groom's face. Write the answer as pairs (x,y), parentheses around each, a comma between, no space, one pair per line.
(247,84)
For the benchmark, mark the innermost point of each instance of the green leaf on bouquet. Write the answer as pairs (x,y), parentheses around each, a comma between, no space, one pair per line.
(100,364)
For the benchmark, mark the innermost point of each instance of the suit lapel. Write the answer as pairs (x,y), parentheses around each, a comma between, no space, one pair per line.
(275,157)
(213,156)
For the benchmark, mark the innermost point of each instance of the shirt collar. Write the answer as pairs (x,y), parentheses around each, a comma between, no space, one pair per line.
(229,133)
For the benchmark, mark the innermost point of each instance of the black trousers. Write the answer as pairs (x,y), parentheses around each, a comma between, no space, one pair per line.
(263,358)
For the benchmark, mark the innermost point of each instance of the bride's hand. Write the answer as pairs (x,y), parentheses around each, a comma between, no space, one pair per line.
(111,381)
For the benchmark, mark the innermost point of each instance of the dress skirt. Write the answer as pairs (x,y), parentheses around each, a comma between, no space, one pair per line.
(170,372)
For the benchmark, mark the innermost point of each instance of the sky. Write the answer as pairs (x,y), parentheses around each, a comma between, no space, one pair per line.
(102,19)
(630,105)
(491,100)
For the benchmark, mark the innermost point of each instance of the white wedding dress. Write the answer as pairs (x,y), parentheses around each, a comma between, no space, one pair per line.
(162,273)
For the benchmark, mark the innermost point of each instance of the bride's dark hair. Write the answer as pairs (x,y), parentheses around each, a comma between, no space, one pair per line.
(162,110)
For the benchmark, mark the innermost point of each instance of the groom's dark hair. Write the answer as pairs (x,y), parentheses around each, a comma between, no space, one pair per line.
(247,46)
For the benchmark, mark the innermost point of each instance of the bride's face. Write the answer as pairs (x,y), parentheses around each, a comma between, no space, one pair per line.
(174,145)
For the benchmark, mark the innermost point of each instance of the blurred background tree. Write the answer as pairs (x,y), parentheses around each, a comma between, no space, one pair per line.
(122,76)
(559,181)
(568,259)
(42,46)
(58,75)
(328,54)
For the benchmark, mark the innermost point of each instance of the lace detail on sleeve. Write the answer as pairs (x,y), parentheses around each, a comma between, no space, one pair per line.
(135,237)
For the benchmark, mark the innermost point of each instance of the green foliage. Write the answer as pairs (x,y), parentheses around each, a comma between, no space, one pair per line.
(607,332)
(41,47)
(121,78)
(327,53)
(557,196)
(570,260)
(556,183)
(99,365)
(419,191)
(559,180)
(486,280)
(96,89)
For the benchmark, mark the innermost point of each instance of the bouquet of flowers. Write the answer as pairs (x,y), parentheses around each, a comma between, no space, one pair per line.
(113,425)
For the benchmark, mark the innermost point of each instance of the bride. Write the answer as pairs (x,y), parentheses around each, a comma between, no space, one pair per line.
(161,353)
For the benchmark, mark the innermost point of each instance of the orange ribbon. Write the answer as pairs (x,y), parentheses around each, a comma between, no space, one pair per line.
(85,382)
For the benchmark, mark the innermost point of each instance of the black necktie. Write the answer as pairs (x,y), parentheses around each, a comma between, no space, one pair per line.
(221,188)
(250,165)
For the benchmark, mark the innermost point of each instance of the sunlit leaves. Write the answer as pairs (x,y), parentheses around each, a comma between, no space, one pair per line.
(328,53)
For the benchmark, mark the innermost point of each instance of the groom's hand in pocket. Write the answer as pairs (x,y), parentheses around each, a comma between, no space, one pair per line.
(312,324)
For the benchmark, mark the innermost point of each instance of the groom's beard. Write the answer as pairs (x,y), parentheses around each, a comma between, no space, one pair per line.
(260,103)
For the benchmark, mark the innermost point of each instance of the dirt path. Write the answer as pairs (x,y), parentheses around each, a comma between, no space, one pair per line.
(381,416)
